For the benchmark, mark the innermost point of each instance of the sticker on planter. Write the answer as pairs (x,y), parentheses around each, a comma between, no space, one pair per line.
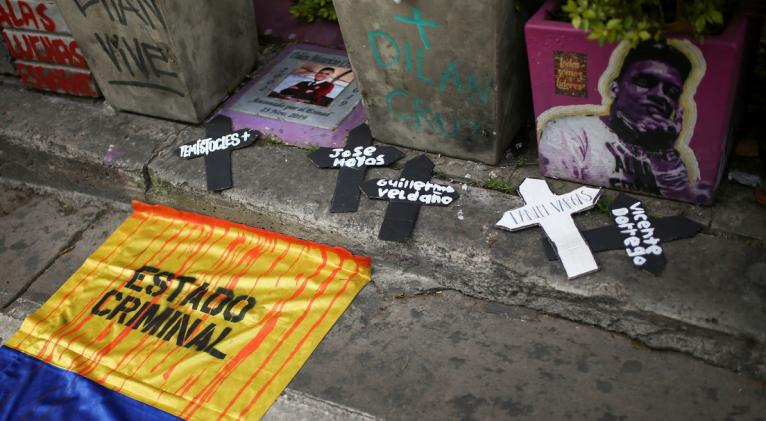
(635,232)
(352,161)
(216,149)
(554,214)
(406,195)
(306,87)
(571,73)
(638,137)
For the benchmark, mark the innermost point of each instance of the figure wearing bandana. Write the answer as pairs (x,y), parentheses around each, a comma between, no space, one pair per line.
(633,147)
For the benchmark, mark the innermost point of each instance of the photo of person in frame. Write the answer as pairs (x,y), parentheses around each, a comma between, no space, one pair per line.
(312,85)
(638,138)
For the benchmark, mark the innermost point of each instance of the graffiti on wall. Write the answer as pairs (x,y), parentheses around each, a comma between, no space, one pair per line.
(128,47)
(390,53)
(46,56)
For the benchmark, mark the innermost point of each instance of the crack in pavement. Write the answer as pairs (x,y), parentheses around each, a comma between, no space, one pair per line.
(156,151)
(70,244)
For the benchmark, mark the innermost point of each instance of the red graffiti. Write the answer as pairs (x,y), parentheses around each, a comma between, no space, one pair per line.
(65,81)
(45,48)
(27,17)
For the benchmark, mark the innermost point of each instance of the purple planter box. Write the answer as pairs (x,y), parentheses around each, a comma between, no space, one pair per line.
(674,131)
(273,18)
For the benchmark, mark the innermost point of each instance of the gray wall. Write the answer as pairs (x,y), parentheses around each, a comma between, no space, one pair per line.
(428,99)
(190,54)
(6,67)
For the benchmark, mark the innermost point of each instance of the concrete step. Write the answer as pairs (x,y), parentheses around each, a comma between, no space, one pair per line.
(709,302)
(401,352)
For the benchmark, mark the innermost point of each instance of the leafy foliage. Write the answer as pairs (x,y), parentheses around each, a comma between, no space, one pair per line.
(602,206)
(311,10)
(642,20)
(498,184)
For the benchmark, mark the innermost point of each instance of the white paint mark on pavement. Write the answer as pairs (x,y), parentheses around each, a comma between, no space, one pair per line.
(297,406)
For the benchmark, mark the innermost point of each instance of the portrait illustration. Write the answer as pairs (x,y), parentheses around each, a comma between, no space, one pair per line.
(638,137)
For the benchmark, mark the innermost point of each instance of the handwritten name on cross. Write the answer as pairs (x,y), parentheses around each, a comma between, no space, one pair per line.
(638,234)
(353,161)
(554,214)
(216,149)
(406,195)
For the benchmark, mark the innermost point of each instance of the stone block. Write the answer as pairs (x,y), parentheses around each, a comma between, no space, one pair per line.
(451,80)
(174,59)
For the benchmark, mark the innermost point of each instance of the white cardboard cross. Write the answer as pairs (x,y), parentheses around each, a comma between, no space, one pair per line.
(554,214)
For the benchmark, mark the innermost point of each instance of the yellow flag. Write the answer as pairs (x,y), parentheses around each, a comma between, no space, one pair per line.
(199,317)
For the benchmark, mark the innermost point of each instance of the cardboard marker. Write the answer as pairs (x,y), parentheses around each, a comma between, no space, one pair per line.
(644,245)
(216,148)
(353,161)
(406,195)
(554,214)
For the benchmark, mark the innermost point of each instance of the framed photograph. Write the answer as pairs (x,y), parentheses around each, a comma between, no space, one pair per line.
(313,83)
(307,87)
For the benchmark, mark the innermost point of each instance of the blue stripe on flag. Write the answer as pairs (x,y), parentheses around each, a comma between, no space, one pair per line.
(30,389)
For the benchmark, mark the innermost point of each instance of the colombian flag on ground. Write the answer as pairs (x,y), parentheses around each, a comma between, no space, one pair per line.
(178,315)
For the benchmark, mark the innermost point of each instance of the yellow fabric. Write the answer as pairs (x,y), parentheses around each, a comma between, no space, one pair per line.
(199,361)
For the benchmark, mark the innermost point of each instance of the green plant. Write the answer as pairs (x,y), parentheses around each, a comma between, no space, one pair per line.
(642,20)
(311,10)
(602,206)
(498,184)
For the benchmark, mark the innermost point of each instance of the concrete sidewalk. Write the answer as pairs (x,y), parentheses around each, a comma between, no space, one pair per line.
(400,352)
(710,302)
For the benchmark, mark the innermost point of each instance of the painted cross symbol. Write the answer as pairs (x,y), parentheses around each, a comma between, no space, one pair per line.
(216,147)
(421,23)
(353,161)
(554,214)
(406,195)
(635,232)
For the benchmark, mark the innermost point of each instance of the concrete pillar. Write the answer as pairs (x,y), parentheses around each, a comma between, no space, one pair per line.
(175,59)
(442,76)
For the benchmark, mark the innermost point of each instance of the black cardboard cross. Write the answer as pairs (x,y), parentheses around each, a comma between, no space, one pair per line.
(216,147)
(406,195)
(353,161)
(638,234)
